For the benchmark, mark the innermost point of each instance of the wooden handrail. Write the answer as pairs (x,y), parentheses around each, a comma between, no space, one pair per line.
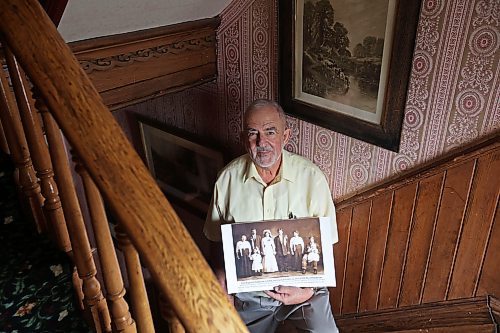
(176,264)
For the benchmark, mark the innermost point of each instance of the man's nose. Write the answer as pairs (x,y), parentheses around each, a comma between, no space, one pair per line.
(260,139)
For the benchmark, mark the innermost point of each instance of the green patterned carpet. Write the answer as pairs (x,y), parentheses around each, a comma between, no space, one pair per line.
(36,292)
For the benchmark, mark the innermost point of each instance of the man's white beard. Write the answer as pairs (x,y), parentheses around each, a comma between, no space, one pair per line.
(268,164)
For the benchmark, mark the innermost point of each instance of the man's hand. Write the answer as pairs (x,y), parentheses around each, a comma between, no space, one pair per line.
(290,295)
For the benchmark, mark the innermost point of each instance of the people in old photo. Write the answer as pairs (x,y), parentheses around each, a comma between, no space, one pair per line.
(243,253)
(256,262)
(255,240)
(269,253)
(281,245)
(311,256)
(296,251)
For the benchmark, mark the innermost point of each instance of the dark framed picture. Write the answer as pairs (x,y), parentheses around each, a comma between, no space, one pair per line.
(349,66)
(184,169)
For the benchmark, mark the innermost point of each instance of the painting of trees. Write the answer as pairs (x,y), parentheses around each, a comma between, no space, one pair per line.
(330,68)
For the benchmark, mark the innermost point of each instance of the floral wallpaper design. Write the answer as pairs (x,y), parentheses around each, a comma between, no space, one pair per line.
(453,96)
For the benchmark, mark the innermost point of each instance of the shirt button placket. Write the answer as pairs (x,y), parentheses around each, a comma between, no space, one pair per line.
(268,204)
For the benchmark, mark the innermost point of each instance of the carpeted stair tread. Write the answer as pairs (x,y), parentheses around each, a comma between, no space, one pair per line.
(36,292)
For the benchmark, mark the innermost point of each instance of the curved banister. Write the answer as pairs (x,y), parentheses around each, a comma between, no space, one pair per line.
(175,262)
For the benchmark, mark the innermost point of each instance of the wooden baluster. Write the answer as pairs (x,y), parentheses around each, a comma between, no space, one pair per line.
(82,254)
(137,287)
(40,154)
(20,153)
(167,312)
(121,318)
(3,140)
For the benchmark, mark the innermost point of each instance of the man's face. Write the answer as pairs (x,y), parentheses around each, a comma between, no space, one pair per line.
(254,232)
(265,136)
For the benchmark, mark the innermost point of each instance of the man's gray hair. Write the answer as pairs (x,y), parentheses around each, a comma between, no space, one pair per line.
(262,103)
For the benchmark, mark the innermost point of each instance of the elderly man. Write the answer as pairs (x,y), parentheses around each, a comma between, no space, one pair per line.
(271,183)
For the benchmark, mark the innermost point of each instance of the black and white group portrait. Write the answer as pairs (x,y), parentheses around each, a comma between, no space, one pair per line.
(266,250)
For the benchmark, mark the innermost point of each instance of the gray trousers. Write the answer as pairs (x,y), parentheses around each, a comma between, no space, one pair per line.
(263,314)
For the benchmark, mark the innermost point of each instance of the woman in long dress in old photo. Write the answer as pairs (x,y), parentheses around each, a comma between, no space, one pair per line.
(297,251)
(269,262)
(243,262)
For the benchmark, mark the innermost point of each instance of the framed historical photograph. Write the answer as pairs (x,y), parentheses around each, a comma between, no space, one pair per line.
(262,255)
(349,66)
(184,169)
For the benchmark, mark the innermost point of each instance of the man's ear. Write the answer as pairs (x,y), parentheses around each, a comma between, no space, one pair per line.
(286,136)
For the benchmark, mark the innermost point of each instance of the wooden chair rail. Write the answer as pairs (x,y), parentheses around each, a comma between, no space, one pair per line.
(479,314)
(175,262)
(434,166)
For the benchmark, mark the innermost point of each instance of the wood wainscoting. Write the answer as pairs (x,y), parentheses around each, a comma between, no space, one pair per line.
(432,236)
(131,67)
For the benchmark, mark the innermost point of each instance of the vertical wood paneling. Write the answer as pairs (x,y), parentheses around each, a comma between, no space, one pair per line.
(477,227)
(420,239)
(489,282)
(450,216)
(340,254)
(355,257)
(375,251)
(396,245)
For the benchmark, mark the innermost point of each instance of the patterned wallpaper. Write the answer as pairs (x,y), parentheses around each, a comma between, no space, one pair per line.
(453,96)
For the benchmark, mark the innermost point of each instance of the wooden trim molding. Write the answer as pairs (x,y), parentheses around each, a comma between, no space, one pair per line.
(479,314)
(132,67)
(461,154)
(128,58)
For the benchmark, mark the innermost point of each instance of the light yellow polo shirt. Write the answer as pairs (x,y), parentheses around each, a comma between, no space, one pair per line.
(240,194)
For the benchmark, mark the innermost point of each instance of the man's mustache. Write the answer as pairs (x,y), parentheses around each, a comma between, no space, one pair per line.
(264,149)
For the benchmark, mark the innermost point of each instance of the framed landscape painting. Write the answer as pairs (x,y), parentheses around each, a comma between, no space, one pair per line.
(350,64)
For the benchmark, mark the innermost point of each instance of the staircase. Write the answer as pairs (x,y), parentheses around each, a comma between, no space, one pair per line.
(416,254)
(36,290)
(52,100)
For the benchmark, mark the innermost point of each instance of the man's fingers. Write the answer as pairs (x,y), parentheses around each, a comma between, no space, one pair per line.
(285,289)
(275,295)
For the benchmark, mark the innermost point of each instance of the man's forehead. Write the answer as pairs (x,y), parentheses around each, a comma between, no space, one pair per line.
(263,118)
(264,125)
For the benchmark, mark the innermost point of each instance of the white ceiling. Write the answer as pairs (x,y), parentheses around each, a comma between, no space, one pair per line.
(85,19)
